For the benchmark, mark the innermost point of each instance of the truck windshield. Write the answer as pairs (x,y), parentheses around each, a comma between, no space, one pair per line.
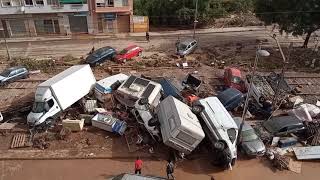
(38,107)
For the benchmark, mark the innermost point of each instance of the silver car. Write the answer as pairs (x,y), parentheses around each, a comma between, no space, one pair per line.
(185,47)
(250,143)
(12,74)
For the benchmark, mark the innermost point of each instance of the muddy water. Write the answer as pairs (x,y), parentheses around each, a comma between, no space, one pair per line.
(188,170)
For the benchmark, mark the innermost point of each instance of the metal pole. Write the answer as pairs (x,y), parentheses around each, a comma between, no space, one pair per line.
(195,20)
(282,70)
(245,109)
(6,44)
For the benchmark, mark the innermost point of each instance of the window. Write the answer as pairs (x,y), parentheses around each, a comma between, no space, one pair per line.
(6,3)
(232,133)
(101,4)
(110,3)
(53,2)
(125,3)
(172,124)
(15,3)
(40,2)
(50,103)
(285,129)
(28,2)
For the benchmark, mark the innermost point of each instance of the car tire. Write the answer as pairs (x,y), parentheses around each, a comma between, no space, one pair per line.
(143,101)
(153,122)
(262,99)
(197,109)
(219,145)
(233,162)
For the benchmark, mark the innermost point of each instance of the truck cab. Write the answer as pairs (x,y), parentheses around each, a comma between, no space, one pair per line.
(45,107)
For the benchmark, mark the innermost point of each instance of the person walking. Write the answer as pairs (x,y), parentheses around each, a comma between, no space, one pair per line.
(170,170)
(138,165)
(147,36)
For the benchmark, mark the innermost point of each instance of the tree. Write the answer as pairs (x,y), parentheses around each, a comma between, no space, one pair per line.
(293,16)
(181,12)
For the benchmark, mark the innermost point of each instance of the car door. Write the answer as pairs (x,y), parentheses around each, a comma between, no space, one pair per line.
(13,76)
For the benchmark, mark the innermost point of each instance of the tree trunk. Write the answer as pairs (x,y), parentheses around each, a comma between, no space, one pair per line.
(305,44)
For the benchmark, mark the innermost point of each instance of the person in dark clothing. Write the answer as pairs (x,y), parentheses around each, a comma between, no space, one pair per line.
(138,166)
(170,170)
(147,36)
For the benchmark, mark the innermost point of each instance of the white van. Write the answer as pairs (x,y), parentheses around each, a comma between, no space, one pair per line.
(219,126)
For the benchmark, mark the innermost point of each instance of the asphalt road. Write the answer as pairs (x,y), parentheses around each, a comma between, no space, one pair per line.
(79,47)
(188,170)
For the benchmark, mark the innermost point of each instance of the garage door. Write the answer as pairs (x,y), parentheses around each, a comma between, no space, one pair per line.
(78,24)
(123,23)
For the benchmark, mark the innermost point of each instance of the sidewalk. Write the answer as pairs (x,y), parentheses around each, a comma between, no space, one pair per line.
(128,35)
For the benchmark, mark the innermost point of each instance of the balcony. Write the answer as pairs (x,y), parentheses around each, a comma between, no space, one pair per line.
(107,9)
(44,9)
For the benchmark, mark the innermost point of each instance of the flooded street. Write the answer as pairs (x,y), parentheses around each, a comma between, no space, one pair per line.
(188,170)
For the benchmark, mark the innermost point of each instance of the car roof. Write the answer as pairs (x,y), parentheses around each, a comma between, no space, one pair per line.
(228,95)
(187,41)
(15,68)
(131,47)
(283,121)
(235,71)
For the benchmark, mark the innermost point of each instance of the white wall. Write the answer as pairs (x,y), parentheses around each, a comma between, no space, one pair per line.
(44,9)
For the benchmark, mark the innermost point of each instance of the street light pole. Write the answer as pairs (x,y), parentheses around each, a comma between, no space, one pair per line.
(259,53)
(195,20)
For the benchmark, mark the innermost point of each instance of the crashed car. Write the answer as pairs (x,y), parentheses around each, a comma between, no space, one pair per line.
(186,47)
(12,74)
(250,143)
(101,55)
(233,79)
(284,125)
(231,98)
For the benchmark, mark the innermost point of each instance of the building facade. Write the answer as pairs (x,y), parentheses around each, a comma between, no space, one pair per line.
(112,16)
(22,18)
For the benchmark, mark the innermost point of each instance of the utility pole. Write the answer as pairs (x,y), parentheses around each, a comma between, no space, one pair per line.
(6,44)
(195,20)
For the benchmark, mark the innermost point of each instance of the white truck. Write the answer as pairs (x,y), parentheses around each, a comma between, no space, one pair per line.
(180,128)
(60,92)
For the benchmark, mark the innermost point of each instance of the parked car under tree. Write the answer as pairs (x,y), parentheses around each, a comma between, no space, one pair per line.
(12,74)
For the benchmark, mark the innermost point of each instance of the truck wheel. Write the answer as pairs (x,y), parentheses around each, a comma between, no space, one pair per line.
(262,99)
(153,122)
(219,145)
(197,109)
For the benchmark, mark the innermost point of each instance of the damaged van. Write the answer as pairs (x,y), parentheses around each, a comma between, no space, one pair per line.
(219,127)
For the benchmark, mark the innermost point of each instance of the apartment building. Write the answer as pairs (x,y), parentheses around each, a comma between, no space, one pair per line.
(112,16)
(21,18)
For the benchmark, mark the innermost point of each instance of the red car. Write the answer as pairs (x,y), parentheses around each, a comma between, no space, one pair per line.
(232,78)
(128,53)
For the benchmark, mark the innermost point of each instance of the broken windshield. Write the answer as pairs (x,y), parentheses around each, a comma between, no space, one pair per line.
(38,107)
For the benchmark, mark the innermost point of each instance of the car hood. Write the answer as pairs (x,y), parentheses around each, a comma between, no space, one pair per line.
(2,78)
(253,147)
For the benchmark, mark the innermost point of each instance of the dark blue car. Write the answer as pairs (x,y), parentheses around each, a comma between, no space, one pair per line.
(231,98)
(101,55)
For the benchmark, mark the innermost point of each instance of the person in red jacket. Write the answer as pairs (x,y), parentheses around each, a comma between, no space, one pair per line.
(138,166)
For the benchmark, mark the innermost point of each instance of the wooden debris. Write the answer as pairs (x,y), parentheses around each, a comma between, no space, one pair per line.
(18,141)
